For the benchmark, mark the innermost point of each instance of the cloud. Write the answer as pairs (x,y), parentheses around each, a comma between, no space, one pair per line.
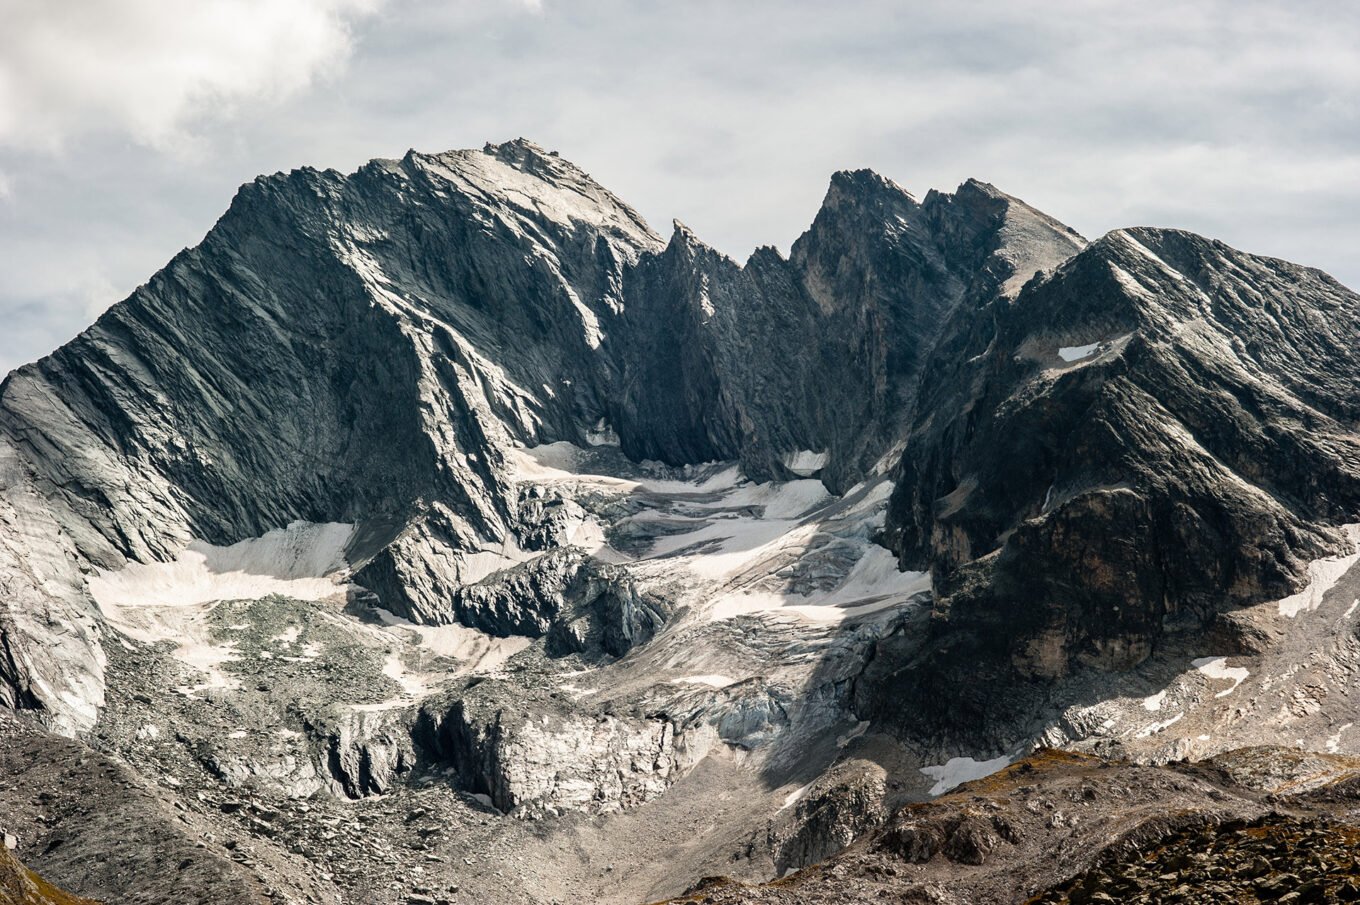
(155,69)
(1239,119)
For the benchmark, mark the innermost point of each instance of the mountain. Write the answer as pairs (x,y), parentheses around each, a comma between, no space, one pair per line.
(1158,434)
(422,518)
(363,349)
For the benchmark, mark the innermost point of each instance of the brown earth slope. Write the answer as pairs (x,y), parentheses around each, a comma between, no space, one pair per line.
(1065,828)
(21,886)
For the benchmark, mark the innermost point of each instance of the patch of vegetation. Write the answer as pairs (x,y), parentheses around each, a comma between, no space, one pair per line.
(1275,859)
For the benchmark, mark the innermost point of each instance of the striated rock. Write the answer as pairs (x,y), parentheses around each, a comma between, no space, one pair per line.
(368,349)
(860,300)
(546,759)
(369,753)
(322,313)
(1156,431)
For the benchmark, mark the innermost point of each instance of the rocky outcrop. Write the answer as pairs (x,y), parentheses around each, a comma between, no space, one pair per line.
(1160,429)
(1263,860)
(1061,828)
(533,755)
(583,606)
(367,348)
(368,753)
(825,820)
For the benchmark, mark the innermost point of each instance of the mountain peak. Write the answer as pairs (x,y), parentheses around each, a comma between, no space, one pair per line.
(536,186)
(850,188)
(983,188)
(451,475)
(517,149)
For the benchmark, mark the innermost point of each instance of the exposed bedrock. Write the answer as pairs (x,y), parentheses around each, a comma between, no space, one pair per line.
(544,758)
(368,348)
(1160,429)
(1092,445)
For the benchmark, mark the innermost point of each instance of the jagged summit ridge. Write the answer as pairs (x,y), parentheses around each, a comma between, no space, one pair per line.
(363,348)
(450,481)
(1194,396)
(460,304)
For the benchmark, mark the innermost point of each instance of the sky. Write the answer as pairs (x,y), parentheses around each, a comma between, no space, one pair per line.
(126,125)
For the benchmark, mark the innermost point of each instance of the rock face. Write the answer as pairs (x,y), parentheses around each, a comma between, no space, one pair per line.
(857,305)
(450,481)
(559,762)
(1160,429)
(365,348)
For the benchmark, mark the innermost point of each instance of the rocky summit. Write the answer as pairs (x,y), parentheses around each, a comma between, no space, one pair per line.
(442,533)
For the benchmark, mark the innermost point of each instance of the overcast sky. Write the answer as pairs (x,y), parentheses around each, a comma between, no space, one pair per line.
(126,125)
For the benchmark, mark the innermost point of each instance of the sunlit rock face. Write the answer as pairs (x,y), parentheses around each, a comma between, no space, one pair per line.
(364,349)
(449,492)
(1157,432)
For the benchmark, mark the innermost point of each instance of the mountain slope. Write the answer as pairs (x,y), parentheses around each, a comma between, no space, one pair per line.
(1163,428)
(1058,827)
(363,349)
(448,493)
(20,886)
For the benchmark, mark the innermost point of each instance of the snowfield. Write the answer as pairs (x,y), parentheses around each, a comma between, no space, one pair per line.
(304,560)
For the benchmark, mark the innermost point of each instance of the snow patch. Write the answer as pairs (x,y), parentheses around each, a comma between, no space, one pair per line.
(778,501)
(1323,574)
(167,601)
(873,585)
(737,547)
(484,800)
(705,302)
(795,796)
(411,685)
(1154,728)
(1077,353)
(1126,280)
(475,651)
(602,435)
(712,681)
(1154,703)
(473,567)
(805,462)
(958,770)
(305,561)
(860,729)
(1217,668)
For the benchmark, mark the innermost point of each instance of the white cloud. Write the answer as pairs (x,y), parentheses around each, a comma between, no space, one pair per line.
(154,69)
(1239,119)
